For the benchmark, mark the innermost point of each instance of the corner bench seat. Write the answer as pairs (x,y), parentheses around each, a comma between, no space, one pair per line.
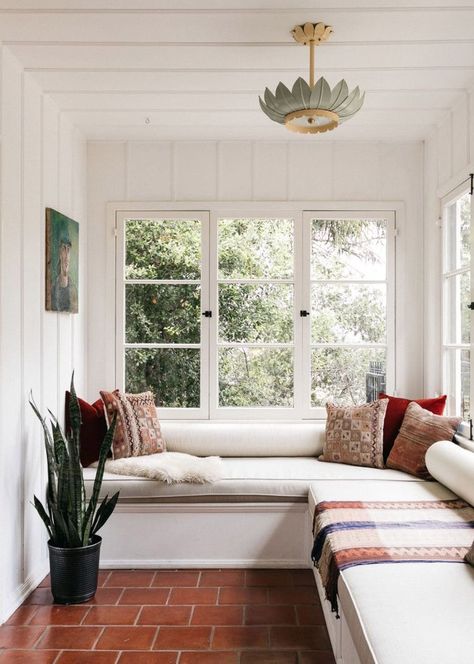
(247,479)
(405,612)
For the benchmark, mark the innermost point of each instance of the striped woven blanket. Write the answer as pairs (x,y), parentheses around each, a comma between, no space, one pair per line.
(348,533)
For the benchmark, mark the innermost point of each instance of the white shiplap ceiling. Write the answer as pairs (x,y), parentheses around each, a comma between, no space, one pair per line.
(195,68)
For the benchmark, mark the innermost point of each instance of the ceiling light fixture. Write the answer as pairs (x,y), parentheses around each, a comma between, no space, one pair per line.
(311,108)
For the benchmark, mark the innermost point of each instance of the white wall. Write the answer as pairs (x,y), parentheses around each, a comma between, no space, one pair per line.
(448,160)
(201,172)
(43,164)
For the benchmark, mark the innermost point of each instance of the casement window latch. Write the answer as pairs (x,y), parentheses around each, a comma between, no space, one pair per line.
(207,314)
(471,306)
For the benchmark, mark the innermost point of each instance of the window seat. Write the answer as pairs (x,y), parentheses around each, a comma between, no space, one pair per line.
(247,479)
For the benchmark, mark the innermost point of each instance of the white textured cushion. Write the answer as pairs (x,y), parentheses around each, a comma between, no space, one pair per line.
(410,613)
(453,466)
(272,478)
(405,612)
(244,439)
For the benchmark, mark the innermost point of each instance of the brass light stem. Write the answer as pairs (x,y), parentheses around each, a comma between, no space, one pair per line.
(311,63)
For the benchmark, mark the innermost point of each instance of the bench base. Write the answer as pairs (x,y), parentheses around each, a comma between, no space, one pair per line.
(188,535)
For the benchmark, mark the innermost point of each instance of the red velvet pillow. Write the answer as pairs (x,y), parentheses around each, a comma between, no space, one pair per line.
(93,429)
(396,412)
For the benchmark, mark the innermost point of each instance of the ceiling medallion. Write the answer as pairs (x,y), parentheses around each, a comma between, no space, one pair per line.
(311,108)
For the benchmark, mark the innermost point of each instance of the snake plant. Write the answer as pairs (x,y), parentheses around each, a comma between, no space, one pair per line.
(71,520)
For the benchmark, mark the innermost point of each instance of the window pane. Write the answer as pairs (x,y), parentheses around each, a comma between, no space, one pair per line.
(348,314)
(457,251)
(162,313)
(458,316)
(458,382)
(255,377)
(348,249)
(347,376)
(173,375)
(256,313)
(163,249)
(255,248)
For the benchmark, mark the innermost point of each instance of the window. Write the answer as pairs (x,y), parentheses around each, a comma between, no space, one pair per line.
(348,292)
(255,316)
(456,299)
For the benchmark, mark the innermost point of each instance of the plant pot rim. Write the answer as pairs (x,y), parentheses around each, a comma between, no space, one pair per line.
(96,540)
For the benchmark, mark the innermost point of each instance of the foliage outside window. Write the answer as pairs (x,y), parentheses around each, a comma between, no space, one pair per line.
(255,352)
(456,298)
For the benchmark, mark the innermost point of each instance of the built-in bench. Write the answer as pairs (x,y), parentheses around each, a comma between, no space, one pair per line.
(260,515)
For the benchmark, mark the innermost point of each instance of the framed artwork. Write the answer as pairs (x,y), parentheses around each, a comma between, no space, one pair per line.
(62,262)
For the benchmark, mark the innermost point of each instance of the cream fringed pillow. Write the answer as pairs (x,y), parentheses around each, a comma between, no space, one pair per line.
(354,434)
(137,430)
(419,430)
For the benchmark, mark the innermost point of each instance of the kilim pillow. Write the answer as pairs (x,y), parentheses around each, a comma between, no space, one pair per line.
(354,434)
(396,412)
(137,430)
(419,430)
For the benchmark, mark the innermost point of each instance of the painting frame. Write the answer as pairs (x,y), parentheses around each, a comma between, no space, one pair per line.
(62,263)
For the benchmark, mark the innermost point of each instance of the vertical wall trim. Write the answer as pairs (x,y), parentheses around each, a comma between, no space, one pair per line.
(22,312)
(252,170)
(126,170)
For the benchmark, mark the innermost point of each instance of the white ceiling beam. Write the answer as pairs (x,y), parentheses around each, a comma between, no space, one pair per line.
(105,101)
(272,59)
(363,24)
(249,81)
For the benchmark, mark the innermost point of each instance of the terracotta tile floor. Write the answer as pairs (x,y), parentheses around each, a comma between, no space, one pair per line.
(175,617)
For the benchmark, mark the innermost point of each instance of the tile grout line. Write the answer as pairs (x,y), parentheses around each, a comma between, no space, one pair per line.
(155,638)
(98,638)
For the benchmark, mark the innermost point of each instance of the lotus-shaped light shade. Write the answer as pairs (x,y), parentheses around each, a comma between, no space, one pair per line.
(311,110)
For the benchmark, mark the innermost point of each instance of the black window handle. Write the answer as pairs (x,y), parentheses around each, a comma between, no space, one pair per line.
(304,313)
(207,314)
(471,306)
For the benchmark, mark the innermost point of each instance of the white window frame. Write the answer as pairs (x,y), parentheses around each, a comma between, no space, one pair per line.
(389,282)
(446,202)
(299,211)
(203,346)
(222,412)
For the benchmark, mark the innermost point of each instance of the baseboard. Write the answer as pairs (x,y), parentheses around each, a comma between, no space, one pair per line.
(187,563)
(31,582)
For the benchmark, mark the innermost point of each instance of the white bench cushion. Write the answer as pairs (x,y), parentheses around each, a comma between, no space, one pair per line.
(244,439)
(396,610)
(246,479)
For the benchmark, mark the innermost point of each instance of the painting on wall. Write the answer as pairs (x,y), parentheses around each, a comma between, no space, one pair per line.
(62,262)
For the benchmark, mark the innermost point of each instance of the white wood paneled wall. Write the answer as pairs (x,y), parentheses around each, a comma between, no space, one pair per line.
(204,171)
(43,163)
(448,160)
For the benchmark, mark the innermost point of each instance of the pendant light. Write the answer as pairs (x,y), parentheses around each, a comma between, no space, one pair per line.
(311,108)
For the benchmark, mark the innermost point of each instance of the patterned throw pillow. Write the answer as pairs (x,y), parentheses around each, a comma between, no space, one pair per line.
(137,431)
(419,430)
(354,434)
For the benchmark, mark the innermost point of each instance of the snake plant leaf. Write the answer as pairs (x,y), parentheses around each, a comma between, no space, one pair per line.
(301,93)
(320,94)
(352,97)
(103,513)
(103,452)
(49,448)
(42,512)
(273,115)
(338,95)
(285,99)
(352,109)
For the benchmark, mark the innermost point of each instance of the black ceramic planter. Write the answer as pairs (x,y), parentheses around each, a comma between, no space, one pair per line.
(74,572)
